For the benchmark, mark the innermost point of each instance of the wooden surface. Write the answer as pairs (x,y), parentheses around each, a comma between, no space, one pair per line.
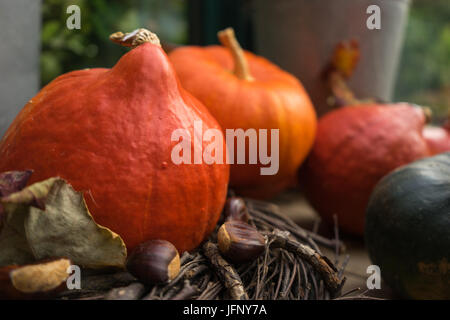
(294,205)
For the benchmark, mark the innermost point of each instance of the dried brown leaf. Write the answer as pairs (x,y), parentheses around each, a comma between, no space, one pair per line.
(65,228)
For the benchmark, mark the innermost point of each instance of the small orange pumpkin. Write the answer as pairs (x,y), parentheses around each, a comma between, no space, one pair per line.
(245,91)
(108,133)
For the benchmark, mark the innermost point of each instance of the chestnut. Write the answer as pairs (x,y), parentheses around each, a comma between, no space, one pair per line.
(236,209)
(40,280)
(154,262)
(240,242)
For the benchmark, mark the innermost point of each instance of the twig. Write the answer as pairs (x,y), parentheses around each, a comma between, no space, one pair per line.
(212,291)
(187,292)
(270,213)
(226,272)
(291,267)
(322,265)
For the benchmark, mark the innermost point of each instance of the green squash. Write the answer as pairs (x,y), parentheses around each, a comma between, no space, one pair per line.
(407,229)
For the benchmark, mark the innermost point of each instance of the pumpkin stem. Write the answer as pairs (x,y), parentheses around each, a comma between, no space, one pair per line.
(135,38)
(228,39)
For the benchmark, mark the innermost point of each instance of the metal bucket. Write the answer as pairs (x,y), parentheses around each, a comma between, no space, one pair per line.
(20,37)
(300,35)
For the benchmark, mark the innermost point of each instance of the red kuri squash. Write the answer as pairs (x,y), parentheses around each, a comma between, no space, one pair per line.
(356,145)
(108,133)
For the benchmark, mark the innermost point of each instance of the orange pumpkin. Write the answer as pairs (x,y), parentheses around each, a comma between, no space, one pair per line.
(245,91)
(108,133)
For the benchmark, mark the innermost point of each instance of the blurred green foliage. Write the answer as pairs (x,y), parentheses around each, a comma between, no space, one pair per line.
(65,50)
(424,74)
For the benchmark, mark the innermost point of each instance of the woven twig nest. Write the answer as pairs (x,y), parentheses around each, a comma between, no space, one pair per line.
(291,267)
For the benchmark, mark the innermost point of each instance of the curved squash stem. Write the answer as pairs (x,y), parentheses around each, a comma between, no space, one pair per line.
(228,39)
(135,38)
